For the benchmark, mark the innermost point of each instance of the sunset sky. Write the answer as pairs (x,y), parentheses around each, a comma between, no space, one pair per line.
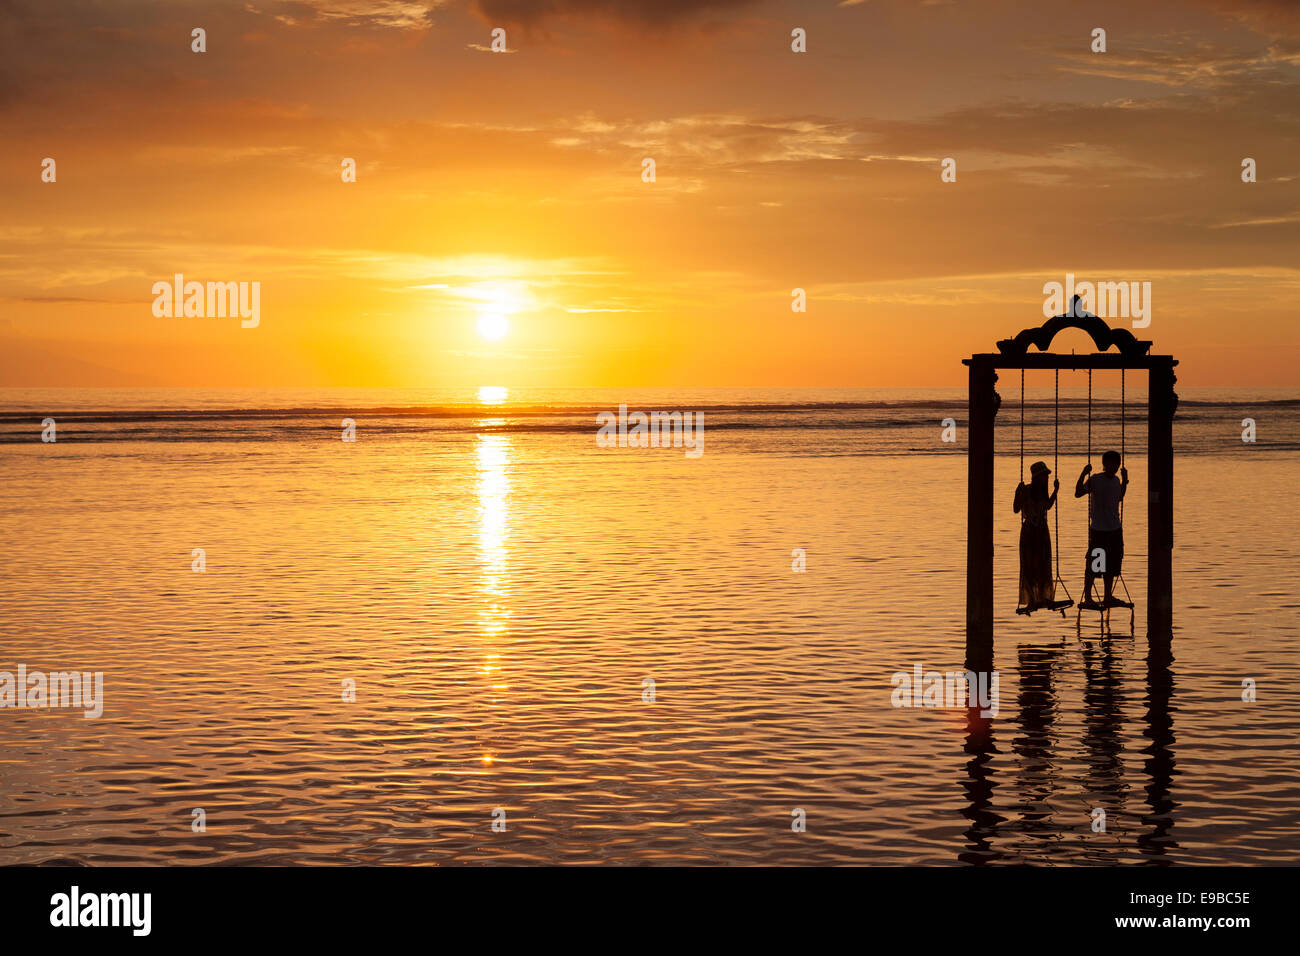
(509,184)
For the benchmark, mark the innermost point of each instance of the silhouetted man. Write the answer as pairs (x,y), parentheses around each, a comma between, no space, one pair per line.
(1105,533)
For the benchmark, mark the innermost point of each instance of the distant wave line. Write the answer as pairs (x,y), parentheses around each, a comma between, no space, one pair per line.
(948,409)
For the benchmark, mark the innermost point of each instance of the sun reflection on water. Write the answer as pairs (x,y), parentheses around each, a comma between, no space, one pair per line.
(494,525)
(493,492)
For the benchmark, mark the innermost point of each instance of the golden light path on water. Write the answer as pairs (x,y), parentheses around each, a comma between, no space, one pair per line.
(493,491)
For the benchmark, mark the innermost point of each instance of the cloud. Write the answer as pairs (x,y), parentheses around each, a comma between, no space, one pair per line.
(1282,220)
(657,13)
(1272,17)
(61,299)
(713,139)
(1182,65)
(399,14)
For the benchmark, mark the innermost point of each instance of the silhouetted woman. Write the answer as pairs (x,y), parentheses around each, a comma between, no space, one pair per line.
(1037,583)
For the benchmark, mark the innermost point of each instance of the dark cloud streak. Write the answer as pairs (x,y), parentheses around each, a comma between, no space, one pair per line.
(653,13)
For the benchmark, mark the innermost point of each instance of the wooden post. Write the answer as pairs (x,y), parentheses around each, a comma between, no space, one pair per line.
(983,405)
(1160,501)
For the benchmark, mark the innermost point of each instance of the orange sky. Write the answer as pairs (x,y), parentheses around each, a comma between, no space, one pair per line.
(511,183)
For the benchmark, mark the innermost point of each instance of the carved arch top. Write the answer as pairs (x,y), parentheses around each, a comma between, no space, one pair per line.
(1100,333)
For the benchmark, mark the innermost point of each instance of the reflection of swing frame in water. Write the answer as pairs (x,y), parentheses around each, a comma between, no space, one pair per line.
(984,401)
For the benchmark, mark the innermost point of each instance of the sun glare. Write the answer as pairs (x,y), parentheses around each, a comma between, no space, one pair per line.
(493,326)
(491,394)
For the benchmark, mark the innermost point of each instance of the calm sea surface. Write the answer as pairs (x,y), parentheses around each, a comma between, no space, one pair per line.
(500,590)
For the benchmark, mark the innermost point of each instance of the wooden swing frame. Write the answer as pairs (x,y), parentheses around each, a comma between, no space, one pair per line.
(1130,353)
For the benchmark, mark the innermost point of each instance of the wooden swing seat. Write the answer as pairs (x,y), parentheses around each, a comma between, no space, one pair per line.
(1058,605)
(1091,605)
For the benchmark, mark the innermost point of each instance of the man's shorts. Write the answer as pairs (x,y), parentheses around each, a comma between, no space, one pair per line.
(1112,546)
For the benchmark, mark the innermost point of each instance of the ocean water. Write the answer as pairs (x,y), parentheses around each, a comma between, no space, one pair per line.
(499,590)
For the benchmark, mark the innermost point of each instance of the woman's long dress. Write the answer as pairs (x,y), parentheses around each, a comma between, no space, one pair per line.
(1037,584)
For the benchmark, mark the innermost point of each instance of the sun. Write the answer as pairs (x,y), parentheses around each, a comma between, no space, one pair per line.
(493,326)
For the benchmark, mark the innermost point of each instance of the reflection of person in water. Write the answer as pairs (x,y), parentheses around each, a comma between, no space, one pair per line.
(1037,583)
(1105,532)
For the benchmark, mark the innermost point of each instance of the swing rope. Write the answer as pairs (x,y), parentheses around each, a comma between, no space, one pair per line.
(1123,452)
(1089,596)
(1056,465)
(1123,458)
(1022,426)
